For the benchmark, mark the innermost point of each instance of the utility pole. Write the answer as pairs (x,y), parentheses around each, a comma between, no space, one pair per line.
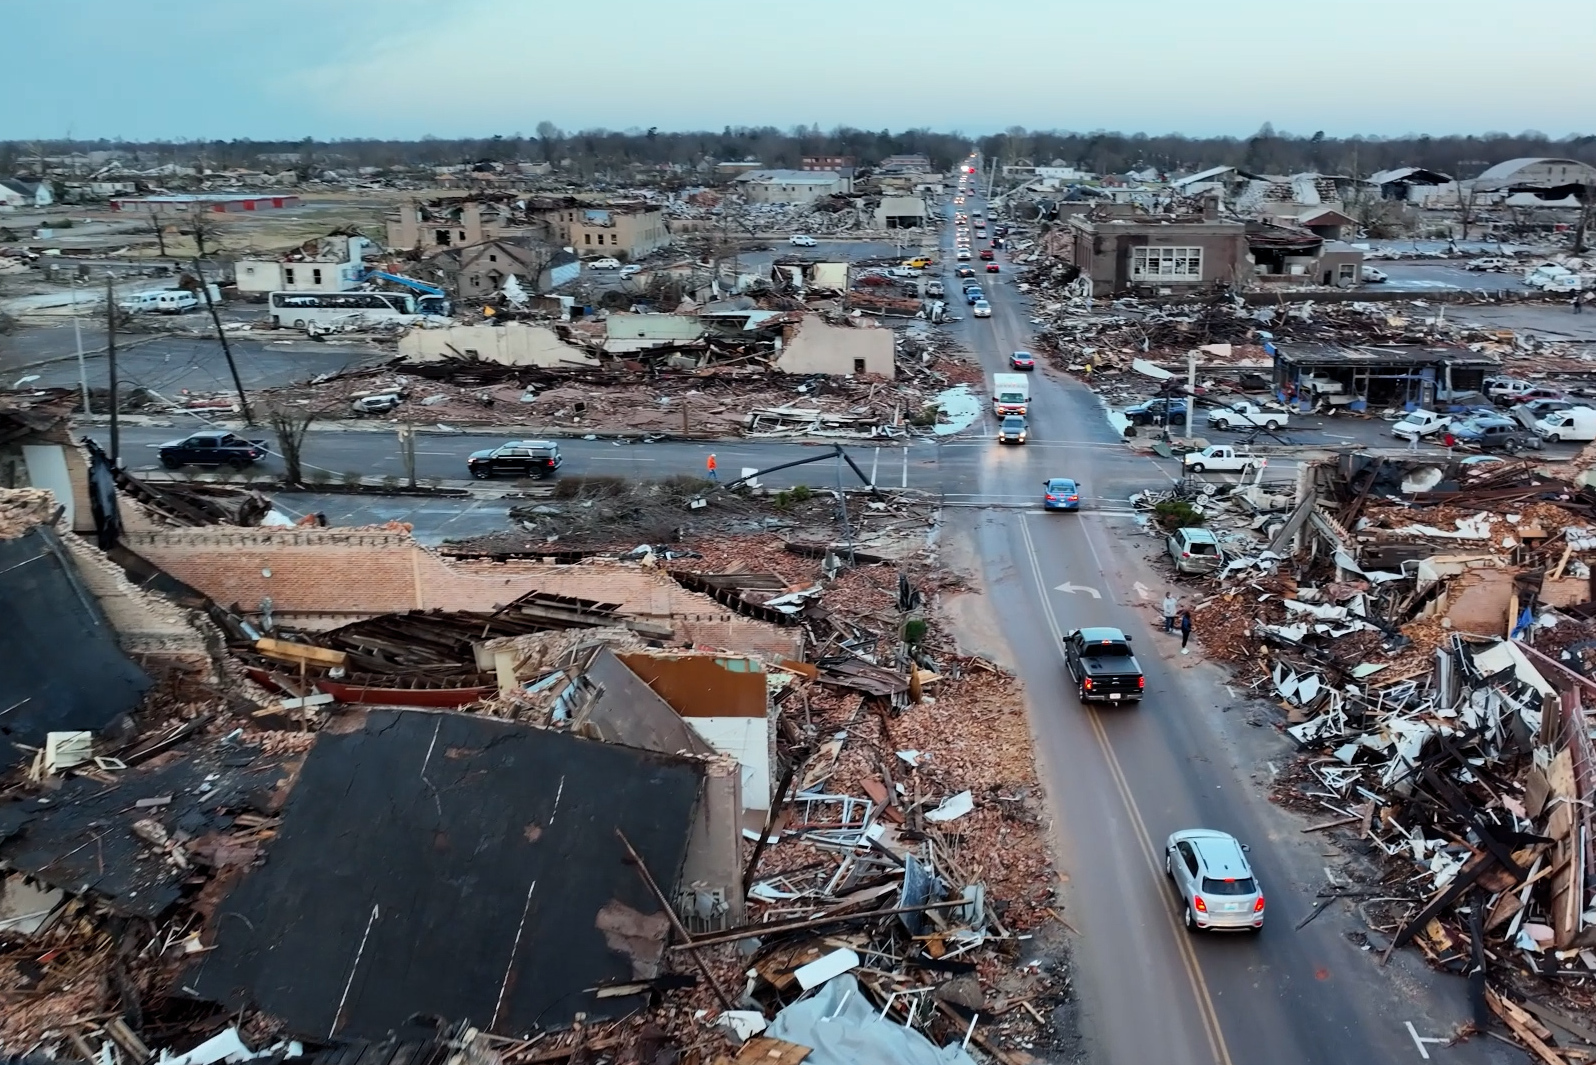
(77,332)
(110,361)
(1191,388)
(221,334)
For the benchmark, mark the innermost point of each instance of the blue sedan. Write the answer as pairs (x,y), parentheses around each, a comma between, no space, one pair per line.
(1062,494)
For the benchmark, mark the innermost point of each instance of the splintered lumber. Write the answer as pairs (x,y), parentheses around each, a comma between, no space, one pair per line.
(285,651)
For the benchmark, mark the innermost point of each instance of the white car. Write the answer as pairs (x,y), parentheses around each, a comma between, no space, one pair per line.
(604,264)
(803,240)
(631,270)
(983,309)
(1490,262)
(1419,424)
(964,255)
(1374,275)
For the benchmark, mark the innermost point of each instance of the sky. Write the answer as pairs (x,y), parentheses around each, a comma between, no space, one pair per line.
(225,69)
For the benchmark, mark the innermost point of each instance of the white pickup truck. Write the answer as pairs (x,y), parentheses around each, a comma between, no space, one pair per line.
(1222,458)
(1420,424)
(1242,413)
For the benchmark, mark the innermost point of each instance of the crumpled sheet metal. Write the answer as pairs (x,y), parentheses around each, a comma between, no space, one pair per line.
(841,1027)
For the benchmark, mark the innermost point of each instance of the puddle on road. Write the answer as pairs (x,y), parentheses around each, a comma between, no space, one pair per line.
(960,406)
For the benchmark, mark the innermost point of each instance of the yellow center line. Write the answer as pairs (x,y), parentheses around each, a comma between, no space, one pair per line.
(1199,986)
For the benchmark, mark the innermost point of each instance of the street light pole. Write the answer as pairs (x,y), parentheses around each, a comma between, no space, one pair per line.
(77,333)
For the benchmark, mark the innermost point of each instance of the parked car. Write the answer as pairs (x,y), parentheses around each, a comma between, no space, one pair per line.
(213,448)
(1101,664)
(1496,434)
(982,309)
(1418,424)
(1505,389)
(1011,430)
(376,403)
(605,263)
(1061,493)
(802,240)
(1373,275)
(1242,414)
(1022,360)
(1156,411)
(516,458)
(1489,262)
(1538,392)
(1530,412)
(1194,550)
(933,288)
(1216,884)
(631,270)
(1221,457)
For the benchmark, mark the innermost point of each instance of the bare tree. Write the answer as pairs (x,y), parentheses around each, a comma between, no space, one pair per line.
(1587,204)
(1468,206)
(156,225)
(1375,215)
(206,229)
(290,424)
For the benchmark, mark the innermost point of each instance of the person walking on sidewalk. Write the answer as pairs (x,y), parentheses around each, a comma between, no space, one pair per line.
(709,464)
(1185,631)
(1171,609)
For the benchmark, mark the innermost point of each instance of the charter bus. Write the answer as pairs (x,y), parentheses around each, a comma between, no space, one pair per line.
(350,310)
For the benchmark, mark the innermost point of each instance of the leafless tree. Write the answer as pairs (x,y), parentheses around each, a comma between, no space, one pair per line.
(290,424)
(1468,206)
(1587,204)
(157,225)
(1375,215)
(206,229)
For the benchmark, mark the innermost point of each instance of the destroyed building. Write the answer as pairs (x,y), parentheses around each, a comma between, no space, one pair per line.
(1122,249)
(334,263)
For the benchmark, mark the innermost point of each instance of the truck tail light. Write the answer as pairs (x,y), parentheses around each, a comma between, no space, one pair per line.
(1087,683)
(1198,904)
(1141,682)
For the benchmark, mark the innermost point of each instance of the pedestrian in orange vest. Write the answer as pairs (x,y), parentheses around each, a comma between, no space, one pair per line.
(709,464)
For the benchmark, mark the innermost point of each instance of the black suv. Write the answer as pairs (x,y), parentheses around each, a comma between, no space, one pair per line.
(517,458)
(212,449)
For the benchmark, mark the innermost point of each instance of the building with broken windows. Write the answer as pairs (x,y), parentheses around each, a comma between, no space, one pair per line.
(792,186)
(622,229)
(1120,248)
(334,263)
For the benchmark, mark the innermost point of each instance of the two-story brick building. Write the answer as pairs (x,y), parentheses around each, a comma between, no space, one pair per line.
(1123,249)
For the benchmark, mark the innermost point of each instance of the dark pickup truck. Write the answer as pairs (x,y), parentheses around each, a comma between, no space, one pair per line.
(1104,669)
(212,449)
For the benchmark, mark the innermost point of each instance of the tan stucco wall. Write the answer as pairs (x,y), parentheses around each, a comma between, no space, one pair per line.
(514,344)
(818,347)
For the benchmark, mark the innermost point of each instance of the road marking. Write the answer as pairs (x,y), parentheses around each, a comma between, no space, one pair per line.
(875,460)
(1420,1040)
(1147,593)
(1205,1004)
(1073,588)
(905,482)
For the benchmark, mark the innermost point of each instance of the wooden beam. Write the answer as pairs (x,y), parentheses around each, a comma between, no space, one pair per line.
(285,651)
(1523,1026)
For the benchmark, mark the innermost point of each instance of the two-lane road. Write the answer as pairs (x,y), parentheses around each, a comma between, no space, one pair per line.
(1120,780)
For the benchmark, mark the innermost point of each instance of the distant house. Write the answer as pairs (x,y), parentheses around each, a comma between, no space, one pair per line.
(792,186)
(1409,184)
(481,270)
(15,192)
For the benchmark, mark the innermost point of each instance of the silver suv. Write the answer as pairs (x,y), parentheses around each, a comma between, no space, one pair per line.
(1216,885)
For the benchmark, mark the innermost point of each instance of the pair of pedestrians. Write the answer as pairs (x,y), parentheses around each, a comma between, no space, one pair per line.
(1174,616)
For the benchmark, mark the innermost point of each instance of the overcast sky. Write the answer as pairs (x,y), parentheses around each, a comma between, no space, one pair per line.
(146,69)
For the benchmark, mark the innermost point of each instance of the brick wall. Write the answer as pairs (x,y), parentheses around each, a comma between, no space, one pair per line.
(337,573)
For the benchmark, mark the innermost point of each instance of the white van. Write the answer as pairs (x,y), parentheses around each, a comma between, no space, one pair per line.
(1575,423)
(175,301)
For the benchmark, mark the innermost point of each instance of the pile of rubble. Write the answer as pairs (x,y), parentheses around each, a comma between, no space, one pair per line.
(855,816)
(1429,632)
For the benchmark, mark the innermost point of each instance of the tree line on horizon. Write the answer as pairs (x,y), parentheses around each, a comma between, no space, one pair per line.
(598,154)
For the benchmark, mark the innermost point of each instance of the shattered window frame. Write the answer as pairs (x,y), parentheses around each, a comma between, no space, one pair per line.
(1167,264)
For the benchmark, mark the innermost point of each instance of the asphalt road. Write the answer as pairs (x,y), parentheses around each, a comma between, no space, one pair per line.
(1119,781)
(1445,274)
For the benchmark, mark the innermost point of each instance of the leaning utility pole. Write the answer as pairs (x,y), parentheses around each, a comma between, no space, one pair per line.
(110,361)
(221,334)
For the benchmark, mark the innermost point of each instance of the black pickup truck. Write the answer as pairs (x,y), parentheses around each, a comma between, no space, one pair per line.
(212,449)
(1100,661)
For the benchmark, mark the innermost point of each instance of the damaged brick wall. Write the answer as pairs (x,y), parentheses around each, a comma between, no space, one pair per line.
(344,572)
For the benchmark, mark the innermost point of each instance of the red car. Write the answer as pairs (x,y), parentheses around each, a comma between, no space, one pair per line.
(986,254)
(991,268)
(1538,393)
